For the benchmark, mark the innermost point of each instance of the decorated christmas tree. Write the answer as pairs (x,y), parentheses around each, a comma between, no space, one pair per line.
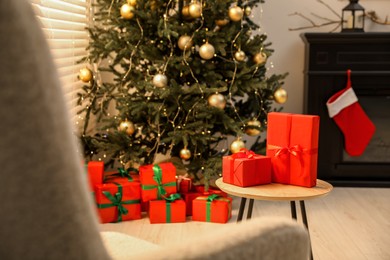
(176,78)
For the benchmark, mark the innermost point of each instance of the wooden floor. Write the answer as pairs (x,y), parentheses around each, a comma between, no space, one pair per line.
(349,223)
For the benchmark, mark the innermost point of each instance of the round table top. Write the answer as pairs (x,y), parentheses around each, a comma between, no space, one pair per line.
(276,191)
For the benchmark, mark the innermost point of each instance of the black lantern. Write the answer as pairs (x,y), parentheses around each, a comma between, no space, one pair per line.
(353,17)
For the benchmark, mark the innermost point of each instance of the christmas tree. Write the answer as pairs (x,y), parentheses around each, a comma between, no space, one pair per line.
(176,78)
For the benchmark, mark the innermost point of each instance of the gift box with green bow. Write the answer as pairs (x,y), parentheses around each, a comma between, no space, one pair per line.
(118,202)
(171,209)
(157,181)
(212,208)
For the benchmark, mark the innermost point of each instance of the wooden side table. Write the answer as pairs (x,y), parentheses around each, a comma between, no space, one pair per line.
(276,192)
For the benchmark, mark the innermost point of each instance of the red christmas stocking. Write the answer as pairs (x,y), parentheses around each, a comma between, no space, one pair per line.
(357,128)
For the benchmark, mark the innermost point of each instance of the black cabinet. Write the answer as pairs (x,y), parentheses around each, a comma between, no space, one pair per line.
(328,56)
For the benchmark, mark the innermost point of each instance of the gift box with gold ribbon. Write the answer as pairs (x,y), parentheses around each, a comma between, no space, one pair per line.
(245,168)
(212,208)
(171,209)
(292,144)
(157,181)
(118,202)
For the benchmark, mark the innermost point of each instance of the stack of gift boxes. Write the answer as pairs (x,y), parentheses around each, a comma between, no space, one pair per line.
(291,156)
(167,198)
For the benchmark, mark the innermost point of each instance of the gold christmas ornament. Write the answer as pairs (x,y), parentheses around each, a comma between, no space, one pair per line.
(239,55)
(160,80)
(280,96)
(185,154)
(236,13)
(195,10)
(253,131)
(206,51)
(127,11)
(85,75)
(132,2)
(126,126)
(260,58)
(221,22)
(186,12)
(217,100)
(236,146)
(248,11)
(184,42)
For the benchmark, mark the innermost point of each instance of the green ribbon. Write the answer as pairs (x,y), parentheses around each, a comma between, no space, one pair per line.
(157,177)
(116,200)
(168,208)
(210,199)
(125,173)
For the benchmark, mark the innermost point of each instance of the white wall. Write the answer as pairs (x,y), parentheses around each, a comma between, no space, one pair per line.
(288,45)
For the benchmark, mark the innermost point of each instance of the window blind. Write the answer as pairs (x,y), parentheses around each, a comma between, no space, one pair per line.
(64,23)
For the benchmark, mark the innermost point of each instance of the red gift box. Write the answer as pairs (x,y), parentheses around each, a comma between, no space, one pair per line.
(246,168)
(212,208)
(184,184)
(157,180)
(292,144)
(118,202)
(198,190)
(169,210)
(95,171)
(121,175)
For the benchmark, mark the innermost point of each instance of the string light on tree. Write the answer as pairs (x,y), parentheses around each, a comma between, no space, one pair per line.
(253,127)
(237,145)
(127,11)
(217,100)
(85,75)
(260,58)
(160,80)
(236,13)
(184,42)
(127,127)
(206,51)
(185,154)
(280,96)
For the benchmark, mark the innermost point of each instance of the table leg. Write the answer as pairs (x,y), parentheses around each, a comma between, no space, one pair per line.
(249,214)
(293,210)
(304,220)
(241,211)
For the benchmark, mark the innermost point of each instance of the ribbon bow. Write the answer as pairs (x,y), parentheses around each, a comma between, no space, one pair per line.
(173,197)
(295,150)
(125,173)
(243,153)
(116,201)
(157,177)
(212,197)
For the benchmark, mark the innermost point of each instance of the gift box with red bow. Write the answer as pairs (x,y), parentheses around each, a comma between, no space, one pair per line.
(171,209)
(118,202)
(212,208)
(246,168)
(157,180)
(292,144)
